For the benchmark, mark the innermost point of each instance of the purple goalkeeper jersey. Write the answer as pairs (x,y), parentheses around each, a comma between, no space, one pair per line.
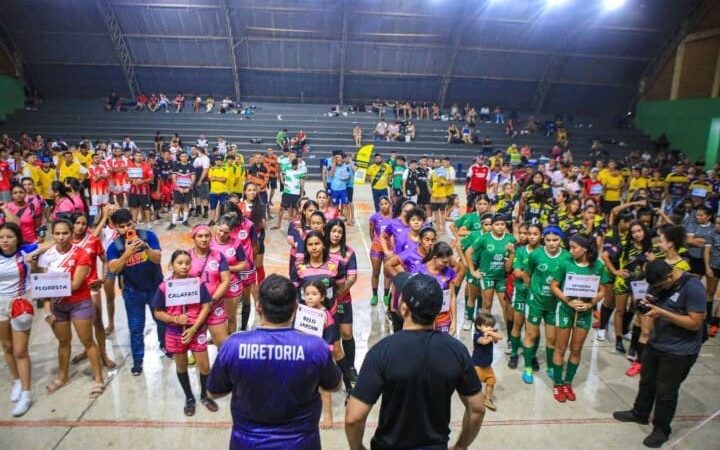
(274,375)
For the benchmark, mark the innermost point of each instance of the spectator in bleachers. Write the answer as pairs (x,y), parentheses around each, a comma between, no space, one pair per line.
(436,113)
(466,134)
(471,116)
(424,109)
(209,104)
(140,102)
(410,130)
(112,102)
(357,135)
(380,130)
(301,138)
(179,102)
(197,103)
(281,138)
(164,103)
(378,107)
(499,116)
(202,142)
(453,134)
(455,112)
(392,105)
(152,104)
(393,131)
(530,127)
(128,144)
(225,105)
(485,113)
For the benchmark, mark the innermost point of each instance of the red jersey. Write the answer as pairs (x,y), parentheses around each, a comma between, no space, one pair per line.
(94,249)
(147,173)
(118,170)
(5,176)
(478,178)
(98,186)
(54,261)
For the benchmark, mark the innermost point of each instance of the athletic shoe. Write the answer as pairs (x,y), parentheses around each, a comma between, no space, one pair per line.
(386,299)
(373,300)
(568,391)
(627,336)
(353,376)
(528,376)
(535,364)
(559,393)
(16,391)
(170,227)
(22,406)
(513,362)
(629,416)
(634,370)
(205,215)
(619,345)
(600,336)
(186,223)
(656,439)
(466,325)
(136,370)
(713,330)
(631,354)
(550,372)
(209,404)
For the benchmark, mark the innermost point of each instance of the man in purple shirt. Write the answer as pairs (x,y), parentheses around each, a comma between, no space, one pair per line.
(274,373)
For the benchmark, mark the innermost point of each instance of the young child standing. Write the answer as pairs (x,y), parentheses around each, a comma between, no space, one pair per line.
(483,339)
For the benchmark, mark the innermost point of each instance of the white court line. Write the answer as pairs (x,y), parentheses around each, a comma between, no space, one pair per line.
(694,429)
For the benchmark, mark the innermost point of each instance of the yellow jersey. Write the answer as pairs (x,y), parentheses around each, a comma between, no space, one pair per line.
(378,175)
(45,181)
(219,187)
(74,170)
(635,184)
(612,186)
(84,160)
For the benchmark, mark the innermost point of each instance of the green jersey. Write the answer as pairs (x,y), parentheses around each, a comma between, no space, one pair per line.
(492,253)
(522,255)
(570,267)
(468,240)
(292,181)
(471,221)
(543,269)
(397,176)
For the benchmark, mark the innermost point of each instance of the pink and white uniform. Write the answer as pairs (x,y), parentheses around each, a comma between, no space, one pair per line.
(234,253)
(208,268)
(246,235)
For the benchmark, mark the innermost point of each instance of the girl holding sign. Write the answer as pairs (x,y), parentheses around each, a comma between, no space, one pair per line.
(15,331)
(237,262)
(186,329)
(212,268)
(314,263)
(574,314)
(438,265)
(77,308)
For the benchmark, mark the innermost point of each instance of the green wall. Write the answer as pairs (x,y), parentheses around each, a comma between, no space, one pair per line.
(12,96)
(692,126)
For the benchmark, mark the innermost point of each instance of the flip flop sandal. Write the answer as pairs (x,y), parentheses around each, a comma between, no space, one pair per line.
(55,385)
(97,390)
(189,407)
(79,358)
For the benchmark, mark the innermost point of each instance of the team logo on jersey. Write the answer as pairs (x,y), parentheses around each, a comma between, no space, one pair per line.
(490,247)
(201,338)
(219,311)
(498,257)
(243,234)
(230,252)
(213,265)
(542,267)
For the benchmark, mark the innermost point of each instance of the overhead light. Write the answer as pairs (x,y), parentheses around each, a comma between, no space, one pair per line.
(613,4)
(552,3)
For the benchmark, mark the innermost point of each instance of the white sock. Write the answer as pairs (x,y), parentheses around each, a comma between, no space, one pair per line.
(185,215)
(26,395)
(15,390)
(174,218)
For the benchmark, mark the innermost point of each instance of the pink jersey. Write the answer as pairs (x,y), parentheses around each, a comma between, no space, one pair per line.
(38,203)
(234,253)
(26,214)
(77,202)
(98,185)
(64,205)
(245,235)
(208,268)
(331,213)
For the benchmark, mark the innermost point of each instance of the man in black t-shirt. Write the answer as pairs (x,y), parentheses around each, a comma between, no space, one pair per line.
(416,370)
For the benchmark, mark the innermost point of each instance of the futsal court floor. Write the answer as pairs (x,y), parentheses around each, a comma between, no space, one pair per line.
(146,412)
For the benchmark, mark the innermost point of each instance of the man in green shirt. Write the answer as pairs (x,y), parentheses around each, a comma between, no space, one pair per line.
(281,139)
(397,179)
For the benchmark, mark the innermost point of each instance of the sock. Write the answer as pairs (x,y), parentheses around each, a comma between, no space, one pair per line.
(203,385)
(571,371)
(635,338)
(514,345)
(605,314)
(535,346)
(715,321)
(244,316)
(529,354)
(349,348)
(627,319)
(640,351)
(260,274)
(374,292)
(549,356)
(185,383)
(205,209)
(344,366)
(174,218)
(186,214)
(469,312)
(509,326)
(708,308)
(457,290)
(618,338)
(557,374)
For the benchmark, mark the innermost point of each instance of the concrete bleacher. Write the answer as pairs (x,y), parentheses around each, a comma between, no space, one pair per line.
(72,120)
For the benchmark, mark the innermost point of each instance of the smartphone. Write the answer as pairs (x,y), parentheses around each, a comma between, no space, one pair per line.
(130,235)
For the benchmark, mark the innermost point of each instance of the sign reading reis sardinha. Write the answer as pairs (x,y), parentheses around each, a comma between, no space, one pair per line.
(184,291)
(51,285)
(582,286)
(310,320)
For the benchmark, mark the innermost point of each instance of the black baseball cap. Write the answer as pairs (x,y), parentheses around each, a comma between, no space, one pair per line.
(422,293)
(656,271)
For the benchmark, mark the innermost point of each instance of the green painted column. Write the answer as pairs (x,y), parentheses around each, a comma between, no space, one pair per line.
(12,95)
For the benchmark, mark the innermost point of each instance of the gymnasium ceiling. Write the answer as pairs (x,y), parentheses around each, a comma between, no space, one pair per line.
(579,56)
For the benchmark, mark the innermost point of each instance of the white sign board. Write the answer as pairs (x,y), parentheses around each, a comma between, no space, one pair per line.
(135,173)
(639,289)
(582,286)
(309,320)
(51,285)
(446,301)
(93,210)
(183,182)
(185,291)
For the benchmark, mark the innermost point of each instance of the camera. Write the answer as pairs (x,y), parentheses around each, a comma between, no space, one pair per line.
(641,307)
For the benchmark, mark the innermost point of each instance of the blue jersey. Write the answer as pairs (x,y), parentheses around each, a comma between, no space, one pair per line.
(274,375)
(139,273)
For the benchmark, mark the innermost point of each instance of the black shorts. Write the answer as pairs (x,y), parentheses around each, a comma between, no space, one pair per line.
(138,200)
(288,201)
(273,184)
(344,313)
(350,194)
(437,206)
(261,241)
(423,198)
(608,205)
(697,266)
(182,198)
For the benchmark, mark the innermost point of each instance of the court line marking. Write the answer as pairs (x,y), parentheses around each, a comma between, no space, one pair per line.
(692,430)
(93,423)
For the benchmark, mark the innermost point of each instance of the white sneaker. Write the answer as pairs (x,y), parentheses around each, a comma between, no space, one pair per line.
(508,351)
(466,326)
(601,335)
(15,391)
(627,336)
(22,406)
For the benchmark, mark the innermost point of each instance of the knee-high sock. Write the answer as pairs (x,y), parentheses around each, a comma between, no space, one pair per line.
(244,316)
(549,357)
(349,348)
(535,346)
(184,380)
(529,354)
(640,351)
(635,337)
(515,345)
(557,374)
(709,315)
(509,326)
(627,319)
(605,314)
(571,371)
(344,365)
(203,385)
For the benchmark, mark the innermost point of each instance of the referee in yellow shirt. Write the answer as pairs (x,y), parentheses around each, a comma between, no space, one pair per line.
(219,175)
(378,175)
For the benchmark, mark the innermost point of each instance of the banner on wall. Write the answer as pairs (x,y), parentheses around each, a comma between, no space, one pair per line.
(362,160)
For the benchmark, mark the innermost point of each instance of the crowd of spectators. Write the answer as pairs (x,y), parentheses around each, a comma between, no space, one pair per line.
(160,102)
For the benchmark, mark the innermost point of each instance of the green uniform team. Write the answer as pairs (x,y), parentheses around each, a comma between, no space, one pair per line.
(493,252)
(543,268)
(565,315)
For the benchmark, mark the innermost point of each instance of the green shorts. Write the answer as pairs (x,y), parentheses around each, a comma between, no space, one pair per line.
(535,315)
(471,279)
(566,317)
(518,300)
(498,284)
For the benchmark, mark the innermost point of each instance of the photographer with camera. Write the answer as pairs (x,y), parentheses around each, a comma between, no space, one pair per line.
(676,302)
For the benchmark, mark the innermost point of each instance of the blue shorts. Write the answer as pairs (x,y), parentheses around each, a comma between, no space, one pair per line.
(217,198)
(340,197)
